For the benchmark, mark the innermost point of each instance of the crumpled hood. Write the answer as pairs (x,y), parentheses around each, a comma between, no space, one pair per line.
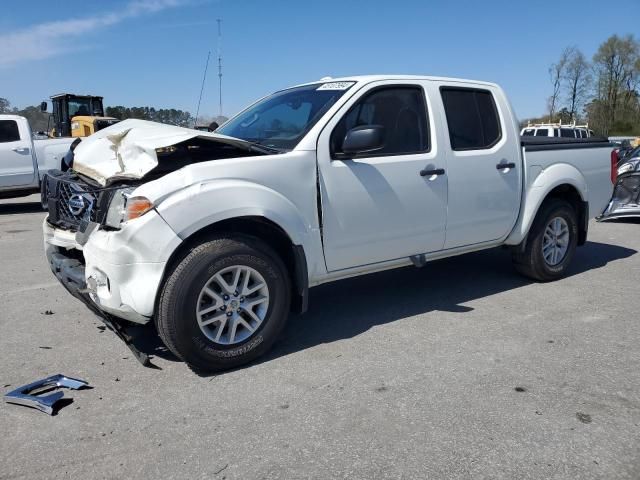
(127,150)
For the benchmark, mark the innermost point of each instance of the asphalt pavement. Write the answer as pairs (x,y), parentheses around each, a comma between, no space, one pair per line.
(461,369)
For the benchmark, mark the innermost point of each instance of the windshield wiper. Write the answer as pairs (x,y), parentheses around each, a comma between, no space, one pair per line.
(257,146)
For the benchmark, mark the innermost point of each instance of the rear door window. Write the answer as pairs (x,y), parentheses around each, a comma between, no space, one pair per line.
(472,118)
(567,133)
(9,131)
(542,132)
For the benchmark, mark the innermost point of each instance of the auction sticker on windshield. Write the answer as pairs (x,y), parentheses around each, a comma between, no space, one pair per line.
(335,86)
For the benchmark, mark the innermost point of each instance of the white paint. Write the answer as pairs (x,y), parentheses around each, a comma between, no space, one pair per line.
(376,211)
(24,162)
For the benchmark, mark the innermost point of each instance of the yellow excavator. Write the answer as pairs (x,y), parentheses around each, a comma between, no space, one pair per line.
(77,115)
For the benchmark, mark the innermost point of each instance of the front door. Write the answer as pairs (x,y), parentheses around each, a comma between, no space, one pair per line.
(16,161)
(390,203)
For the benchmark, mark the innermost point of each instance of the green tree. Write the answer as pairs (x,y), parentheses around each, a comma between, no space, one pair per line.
(170,116)
(5,105)
(556,75)
(617,68)
(577,81)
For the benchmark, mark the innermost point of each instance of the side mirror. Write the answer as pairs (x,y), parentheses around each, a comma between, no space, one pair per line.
(43,107)
(363,139)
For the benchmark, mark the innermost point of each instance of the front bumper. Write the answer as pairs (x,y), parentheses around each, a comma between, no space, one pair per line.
(70,272)
(625,201)
(115,272)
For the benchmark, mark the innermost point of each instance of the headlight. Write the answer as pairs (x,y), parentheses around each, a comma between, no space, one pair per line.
(124,207)
(627,167)
(75,125)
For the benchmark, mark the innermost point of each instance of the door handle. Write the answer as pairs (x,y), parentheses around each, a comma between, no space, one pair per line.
(435,171)
(502,166)
(21,149)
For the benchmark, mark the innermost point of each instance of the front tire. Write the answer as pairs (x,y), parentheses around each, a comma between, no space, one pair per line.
(551,243)
(224,304)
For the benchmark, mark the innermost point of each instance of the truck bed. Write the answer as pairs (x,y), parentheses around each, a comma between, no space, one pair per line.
(532,144)
(590,157)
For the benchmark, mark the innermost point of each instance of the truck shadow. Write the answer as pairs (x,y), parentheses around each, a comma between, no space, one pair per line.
(350,307)
(347,308)
(23,207)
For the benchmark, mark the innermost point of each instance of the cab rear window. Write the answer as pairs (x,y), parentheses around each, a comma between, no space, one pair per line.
(472,118)
(9,131)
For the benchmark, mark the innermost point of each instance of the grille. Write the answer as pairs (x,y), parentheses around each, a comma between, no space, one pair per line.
(70,202)
(84,202)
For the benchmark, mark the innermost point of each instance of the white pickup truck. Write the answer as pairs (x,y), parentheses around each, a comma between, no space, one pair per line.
(23,160)
(218,236)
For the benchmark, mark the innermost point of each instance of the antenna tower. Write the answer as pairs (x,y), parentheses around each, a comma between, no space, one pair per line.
(220,62)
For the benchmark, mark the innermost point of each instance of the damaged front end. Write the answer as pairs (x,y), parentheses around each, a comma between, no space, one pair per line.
(106,245)
(625,202)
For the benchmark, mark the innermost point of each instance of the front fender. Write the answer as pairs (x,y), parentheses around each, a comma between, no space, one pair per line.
(200,205)
(540,183)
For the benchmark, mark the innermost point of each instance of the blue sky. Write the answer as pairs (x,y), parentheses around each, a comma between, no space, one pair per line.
(152,52)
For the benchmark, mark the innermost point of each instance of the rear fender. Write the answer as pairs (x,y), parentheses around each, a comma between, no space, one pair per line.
(539,188)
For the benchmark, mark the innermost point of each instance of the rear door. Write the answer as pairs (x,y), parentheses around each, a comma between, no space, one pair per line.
(483,165)
(16,161)
(377,206)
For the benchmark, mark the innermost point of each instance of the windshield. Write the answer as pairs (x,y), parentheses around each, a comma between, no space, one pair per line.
(282,119)
(79,106)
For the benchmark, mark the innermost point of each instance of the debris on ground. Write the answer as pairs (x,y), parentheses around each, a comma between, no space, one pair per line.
(48,312)
(33,394)
(584,417)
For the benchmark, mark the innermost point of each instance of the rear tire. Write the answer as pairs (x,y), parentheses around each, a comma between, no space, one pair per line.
(551,242)
(215,331)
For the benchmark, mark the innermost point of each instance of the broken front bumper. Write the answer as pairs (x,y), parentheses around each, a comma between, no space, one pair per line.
(116,274)
(625,201)
(121,270)
(71,274)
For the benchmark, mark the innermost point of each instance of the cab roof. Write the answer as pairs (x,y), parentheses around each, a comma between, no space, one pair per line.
(374,78)
(58,95)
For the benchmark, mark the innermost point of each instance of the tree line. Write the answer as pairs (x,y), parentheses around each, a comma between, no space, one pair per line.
(603,92)
(170,116)
(39,121)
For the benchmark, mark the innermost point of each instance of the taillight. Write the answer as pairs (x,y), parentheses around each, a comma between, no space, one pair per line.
(614,166)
